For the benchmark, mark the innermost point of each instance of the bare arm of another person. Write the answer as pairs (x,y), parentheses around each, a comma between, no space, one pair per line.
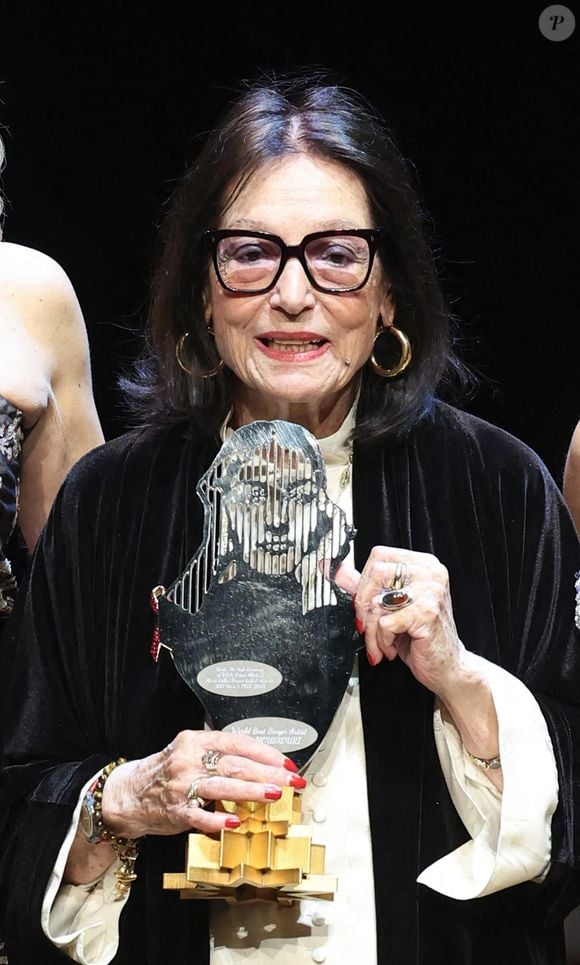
(572,477)
(45,372)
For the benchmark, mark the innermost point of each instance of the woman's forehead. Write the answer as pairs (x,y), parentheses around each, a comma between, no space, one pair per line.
(298,186)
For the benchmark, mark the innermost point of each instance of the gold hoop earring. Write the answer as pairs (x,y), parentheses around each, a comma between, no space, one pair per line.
(197,375)
(406,353)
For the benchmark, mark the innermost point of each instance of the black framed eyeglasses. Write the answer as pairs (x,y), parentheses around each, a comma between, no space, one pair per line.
(251,262)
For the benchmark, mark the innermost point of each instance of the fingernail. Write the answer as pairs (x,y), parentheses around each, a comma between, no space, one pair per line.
(371,659)
(290,765)
(233,822)
(273,793)
(297,782)
(359,626)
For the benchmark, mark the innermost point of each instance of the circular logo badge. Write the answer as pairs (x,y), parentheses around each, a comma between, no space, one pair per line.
(285,734)
(557,22)
(239,678)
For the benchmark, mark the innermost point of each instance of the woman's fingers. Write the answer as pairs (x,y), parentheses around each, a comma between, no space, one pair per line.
(388,567)
(346,577)
(195,744)
(231,756)
(379,637)
(229,789)
(209,822)
(182,804)
(159,794)
(211,789)
(378,575)
(234,767)
(166,789)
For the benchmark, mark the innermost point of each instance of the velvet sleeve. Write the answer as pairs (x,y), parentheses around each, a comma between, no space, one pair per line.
(515,606)
(548,662)
(532,552)
(486,506)
(80,686)
(522,603)
(52,712)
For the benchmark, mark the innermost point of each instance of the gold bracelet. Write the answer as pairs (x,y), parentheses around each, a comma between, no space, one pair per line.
(488,764)
(126,849)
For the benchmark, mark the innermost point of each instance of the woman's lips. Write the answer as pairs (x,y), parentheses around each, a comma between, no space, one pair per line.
(296,348)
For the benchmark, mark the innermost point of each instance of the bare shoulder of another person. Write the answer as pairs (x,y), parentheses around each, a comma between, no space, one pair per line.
(572,476)
(45,372)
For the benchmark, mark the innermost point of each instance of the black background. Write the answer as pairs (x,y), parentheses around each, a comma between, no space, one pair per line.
(101,106)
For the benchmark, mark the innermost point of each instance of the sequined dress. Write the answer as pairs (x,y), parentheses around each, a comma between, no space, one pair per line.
(10,448)
(11,436)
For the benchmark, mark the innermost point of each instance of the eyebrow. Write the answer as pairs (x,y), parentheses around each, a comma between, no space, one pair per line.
(337,223)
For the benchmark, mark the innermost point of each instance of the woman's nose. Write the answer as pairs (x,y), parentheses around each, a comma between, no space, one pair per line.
(292,292)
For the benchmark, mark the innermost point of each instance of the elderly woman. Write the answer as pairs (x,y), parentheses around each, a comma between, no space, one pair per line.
(295,286)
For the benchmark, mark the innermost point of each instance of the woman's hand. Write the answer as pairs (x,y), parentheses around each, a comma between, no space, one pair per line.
(423,634)
(150,796)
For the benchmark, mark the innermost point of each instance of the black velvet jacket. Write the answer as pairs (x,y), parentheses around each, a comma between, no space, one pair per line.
(80,687)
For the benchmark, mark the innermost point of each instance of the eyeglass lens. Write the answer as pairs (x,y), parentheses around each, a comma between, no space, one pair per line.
(334,261)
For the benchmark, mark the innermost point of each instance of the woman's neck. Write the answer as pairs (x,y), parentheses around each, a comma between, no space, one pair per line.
(321,417)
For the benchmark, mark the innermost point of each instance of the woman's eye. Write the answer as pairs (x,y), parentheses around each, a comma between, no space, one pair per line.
(249,253)
(339,256)
(246,253)
(335,255)
(346,256)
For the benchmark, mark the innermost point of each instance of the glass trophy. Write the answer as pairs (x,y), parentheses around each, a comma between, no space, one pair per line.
(258,629)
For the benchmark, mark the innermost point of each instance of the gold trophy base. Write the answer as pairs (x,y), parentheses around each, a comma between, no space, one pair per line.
(270,857)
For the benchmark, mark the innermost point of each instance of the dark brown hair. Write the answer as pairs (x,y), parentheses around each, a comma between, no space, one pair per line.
(270,119)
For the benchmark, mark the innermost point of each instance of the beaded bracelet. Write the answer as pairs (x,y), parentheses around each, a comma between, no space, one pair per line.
(126,849)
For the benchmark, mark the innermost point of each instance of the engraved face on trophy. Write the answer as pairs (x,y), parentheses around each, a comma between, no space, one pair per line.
(267,514)
(274,514)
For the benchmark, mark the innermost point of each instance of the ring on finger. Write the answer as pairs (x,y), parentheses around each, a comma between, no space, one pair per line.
(401,577)
(393,599)
(210,761)
(194,800)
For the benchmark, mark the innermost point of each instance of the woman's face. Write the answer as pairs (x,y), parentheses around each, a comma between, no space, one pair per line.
(296,350)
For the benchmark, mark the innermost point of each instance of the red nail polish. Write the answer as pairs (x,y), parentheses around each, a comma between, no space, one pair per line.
(372,660)
(290,765)
(298,782)
(273,794)
(233,822)
(359,626)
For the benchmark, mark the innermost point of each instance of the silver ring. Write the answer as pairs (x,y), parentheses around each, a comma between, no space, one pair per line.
(193,798)
(210,761)
(393,599)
